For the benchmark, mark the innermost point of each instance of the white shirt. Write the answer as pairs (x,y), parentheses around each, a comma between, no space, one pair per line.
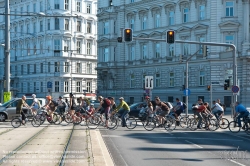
(217,107)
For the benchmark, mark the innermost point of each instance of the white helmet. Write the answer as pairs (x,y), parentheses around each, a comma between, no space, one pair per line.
(33,95)
(91,104)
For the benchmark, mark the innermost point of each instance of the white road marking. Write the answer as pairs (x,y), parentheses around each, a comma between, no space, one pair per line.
(194,144)
(236,162)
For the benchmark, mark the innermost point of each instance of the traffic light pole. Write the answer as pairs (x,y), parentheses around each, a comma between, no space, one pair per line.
(209,44)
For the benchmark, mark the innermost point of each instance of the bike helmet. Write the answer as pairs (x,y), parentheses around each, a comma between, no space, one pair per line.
(92,104)
(48,97)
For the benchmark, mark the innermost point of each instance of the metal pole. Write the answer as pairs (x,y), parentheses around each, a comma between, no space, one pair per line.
(234,76)
(187,86)
(71,66)
(7,45)
(211,94)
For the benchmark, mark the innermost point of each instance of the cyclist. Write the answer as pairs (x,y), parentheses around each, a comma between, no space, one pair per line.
(61,105)
(113,105)
(124,112)
(50,106)
(165,110)
(201,108)
(218,109)
(72,106)
(19,107)
(105,108)
(242,111)
(35,105)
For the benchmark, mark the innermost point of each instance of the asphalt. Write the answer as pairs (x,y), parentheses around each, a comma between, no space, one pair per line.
(180,147)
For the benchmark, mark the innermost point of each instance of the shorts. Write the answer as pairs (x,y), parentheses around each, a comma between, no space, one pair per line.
(102,111)
(178,112)
(164,113)
(106,111)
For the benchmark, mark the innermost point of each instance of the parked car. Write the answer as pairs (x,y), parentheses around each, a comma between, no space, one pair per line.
(96,103)
(135,109)
(8,109)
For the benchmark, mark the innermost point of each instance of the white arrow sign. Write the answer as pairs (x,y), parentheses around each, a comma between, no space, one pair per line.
(149,82)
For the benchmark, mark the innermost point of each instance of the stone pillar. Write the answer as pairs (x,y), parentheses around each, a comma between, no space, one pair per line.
(246,20)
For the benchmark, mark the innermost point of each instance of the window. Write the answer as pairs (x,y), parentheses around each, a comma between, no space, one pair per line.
(201,39)
(106,55)
(34,87)
(157,50)
(89,68)
(171,79)
(144,23)
(35,49)
(110,2)
(66,4)
(66,46)
(56,44)
(41,26)
(34,28)
(28,28)
(56,23)
(78,47)
(143,80)
(21,69)
(28,8)
(184,79)
(132,52)
(170,99)
(88,8)
(88,27)
(22,87)
(144,51)
(171,18)
(66,86)
(48,24)
(157,80)
(132,81)
(185,49)
(28,69)
(34,7)
(106,28)
(114,26)
(48,66)
(21,10)
(66,24)
(56,86)
(229,9)
(66,67)
(185,15)
(230,40)
(88,48)
(28,87)
(78,26)
(132,24)
(78,6)
(171,50)
(132,1)
(41,47)
(157,20)
(78,86)
(202,78)
(15,30)
(78,68)
(21,29)
(41,67)
(41,6)
(34,68)
(57,66)
(57,4)
(201,12)
(28,48)
(89,86)
(41,86)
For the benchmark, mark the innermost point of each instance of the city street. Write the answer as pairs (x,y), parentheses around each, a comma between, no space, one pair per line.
(180,147)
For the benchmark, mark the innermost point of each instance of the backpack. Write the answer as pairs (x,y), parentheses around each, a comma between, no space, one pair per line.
(168,104)
(107,102)
(184,105)
(55,103)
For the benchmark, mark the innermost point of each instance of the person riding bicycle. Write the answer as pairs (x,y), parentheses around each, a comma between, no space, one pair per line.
(242,111)
(105,106)
(91,109)
(19,107)
(113,105)
(61,105)
(35,105)
(165,110)
(124,112)
(178,109)
(50,106)
(198,111)
(218,109)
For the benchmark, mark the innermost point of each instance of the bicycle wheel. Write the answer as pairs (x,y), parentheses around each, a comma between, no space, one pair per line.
(36,122)
(223,123)
(93,122)
(184,122)
(68,118)
(247,128)
(84,121)
(149,124)
(213,125)
(112,123)
(192,123)
(16,122)
(233,127)
(131,122)
(170,124)
(77,120)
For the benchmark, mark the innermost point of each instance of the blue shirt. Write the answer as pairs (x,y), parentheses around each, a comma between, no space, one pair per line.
(240,108)
(181,105)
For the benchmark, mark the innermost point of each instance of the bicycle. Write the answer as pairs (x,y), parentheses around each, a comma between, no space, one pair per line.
(207,123)
(17,121)
(234,128)
(43,115)
(115,119)
(223,123)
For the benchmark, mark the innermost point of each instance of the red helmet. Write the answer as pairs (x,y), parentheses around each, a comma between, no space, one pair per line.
(147,97)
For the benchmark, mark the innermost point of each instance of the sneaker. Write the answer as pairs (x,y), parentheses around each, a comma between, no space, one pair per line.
(198,127)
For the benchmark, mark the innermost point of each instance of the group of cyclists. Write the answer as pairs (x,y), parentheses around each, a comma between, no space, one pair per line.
(108,108)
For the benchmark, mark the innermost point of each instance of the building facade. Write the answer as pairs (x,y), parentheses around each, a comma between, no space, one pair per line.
(122,67)
(53,47)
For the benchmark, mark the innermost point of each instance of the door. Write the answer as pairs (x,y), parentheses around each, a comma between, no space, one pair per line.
(227,100)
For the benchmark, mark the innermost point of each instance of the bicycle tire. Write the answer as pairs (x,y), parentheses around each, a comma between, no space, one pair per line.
(112,123)
(93,122)
(36,122)
(184,122)
(170,124)
(131,123)
(68,118)
(84,121)
(193,122)
(149,124)
(16,122)
(213,125)
(77,120)
(233,127)
(223,123)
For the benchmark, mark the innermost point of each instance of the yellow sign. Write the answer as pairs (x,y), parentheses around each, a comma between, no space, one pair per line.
(6,96)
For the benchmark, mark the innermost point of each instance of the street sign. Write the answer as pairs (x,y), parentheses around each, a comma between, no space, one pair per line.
(6,96)
(49,84)
(186,92)
(149,82)
(235,89)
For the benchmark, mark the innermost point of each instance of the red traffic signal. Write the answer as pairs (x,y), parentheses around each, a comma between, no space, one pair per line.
(170,37)
(128,35)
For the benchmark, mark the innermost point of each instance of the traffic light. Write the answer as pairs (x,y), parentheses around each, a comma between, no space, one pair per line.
(205,51)
(208,87)
(128,35)
(119,39)
(227,84)
(170,37)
